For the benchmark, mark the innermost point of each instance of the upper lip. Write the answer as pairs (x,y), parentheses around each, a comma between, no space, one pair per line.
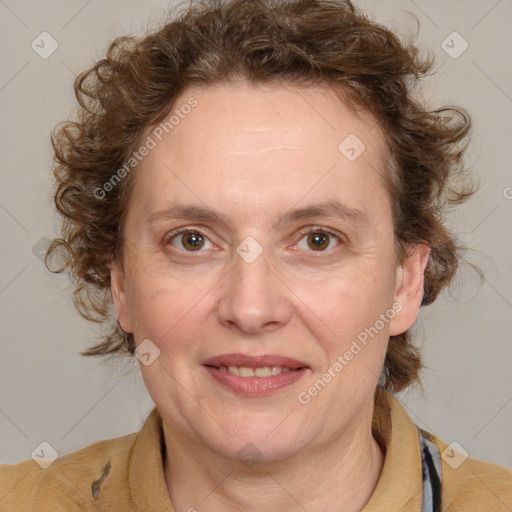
(254,361)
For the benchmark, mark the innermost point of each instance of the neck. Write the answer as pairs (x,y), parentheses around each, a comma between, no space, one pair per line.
(339,474)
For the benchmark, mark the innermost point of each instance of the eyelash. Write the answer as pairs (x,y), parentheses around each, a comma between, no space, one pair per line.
(174,234)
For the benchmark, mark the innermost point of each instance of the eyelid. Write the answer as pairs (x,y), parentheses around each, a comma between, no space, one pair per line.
(180,231)
(319,229)
(304,231)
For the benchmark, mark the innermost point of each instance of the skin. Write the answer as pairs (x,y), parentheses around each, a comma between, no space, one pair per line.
(253,154)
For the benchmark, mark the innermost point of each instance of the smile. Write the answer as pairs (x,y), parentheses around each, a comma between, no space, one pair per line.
(255,381)
(260,372)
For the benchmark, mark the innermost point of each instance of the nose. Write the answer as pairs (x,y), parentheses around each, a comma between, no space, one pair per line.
(254,298)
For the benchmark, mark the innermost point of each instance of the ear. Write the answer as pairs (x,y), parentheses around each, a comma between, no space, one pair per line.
(118,289)
(409,289)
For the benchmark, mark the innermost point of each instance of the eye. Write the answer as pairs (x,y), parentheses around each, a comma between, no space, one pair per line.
(193,240)
(319,240)
(188,239)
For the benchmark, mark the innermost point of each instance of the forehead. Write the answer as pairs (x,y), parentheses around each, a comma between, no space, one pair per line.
(242,119)
(239,143)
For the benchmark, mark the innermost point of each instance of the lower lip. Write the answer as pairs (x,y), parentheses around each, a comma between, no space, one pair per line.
(255,386)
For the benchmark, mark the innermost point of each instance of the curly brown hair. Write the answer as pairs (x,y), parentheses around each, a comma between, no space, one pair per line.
(301,42)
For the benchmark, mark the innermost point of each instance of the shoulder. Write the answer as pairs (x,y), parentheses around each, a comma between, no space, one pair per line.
(473,484)
(65,484)
(467,483)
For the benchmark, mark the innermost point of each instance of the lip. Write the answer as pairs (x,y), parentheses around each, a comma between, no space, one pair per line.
(254,361)
(255,386)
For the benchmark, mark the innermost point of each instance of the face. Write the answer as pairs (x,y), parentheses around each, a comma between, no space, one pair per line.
(259,269)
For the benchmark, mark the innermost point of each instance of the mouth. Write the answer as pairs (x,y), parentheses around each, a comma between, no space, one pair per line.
(255,375)
(260,371)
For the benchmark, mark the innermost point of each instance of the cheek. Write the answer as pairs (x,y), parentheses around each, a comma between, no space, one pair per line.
(165,307)
(340,308)
(177,312)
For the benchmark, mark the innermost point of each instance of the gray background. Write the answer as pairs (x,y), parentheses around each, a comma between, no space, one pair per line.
(50,393)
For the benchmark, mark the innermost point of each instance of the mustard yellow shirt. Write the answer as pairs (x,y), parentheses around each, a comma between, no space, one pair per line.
(126,474)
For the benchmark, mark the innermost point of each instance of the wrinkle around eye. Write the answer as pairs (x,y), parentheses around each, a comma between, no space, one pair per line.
(174,239)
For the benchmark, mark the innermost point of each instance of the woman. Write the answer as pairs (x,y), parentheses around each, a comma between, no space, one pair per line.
(253,202)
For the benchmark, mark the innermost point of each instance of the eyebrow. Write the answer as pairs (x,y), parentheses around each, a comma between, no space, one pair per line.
(329,210)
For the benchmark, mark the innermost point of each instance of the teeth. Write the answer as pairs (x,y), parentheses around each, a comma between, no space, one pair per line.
(262,371)
(234,370)
(245,372)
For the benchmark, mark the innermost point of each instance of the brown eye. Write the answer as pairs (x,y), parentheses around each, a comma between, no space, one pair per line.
(192,241)
(189,241)
(318,241)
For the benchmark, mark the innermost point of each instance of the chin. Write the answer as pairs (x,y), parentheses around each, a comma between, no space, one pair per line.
(258,451)
(261,441)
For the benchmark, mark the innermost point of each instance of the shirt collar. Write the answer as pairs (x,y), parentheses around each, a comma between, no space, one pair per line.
(147,483)
(400,484)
